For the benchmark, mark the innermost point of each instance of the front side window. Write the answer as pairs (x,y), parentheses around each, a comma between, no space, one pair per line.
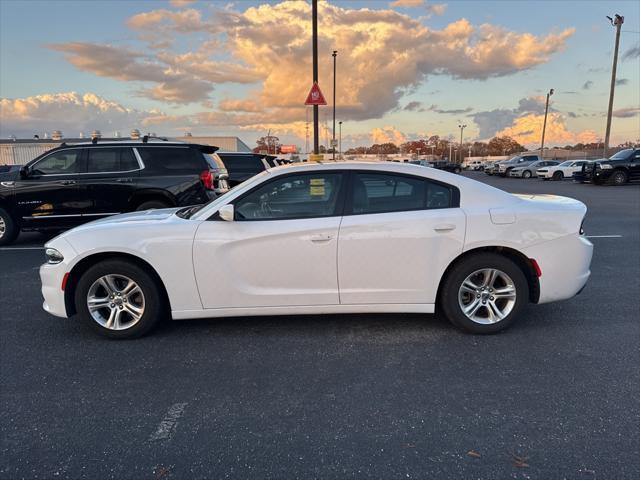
(292,196)
(380,193)
(109,160)
(63,162)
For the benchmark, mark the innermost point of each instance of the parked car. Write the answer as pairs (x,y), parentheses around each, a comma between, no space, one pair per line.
(241,166)
(446,166)
(562,171)
(474,165)
(529,170)
(618,169)
(324,238)
(492,168)
(518,161)
(73,184)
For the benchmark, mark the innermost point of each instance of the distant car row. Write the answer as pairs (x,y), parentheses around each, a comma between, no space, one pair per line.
(619,169)
(73,184)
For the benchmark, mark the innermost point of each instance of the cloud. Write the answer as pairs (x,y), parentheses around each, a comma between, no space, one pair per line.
(70,112)
(414,106)
(527,130)
(455,111)
(626,112)
(407,3)
(432,8)
(387,134)
(633,52)
(622,81)
(491,122)
(181,3)
(587,85)
(437,8)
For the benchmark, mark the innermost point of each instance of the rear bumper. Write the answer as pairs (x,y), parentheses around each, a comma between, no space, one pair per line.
(565,264)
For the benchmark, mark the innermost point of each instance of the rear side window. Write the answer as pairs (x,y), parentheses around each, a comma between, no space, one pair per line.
(243,163)
(381,193)
(171,160)
(105,160)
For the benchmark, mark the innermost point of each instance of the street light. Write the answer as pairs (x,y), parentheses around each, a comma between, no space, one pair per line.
(333,140)
(461,127)
(544,125)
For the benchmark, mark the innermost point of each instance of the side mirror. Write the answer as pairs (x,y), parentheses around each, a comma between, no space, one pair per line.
(24,172)
(226,213)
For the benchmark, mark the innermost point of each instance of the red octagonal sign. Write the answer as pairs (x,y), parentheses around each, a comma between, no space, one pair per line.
(315,96)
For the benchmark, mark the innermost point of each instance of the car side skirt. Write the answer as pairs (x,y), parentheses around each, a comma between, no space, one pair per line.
(304,310)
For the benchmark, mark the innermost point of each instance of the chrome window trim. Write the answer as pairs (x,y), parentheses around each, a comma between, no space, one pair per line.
(135,152)
(38,217)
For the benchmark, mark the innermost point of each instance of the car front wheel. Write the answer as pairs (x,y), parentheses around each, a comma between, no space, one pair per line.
(8,228)
(119,299)
(484,293)
(619,178)
(558,176)
(526,174)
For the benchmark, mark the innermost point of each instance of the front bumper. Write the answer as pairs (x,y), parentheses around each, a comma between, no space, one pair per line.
(514,173)
(545,174)
(52,276)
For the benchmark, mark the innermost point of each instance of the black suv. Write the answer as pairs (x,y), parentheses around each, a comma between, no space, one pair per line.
(242,166)
(618,169)
(73,184)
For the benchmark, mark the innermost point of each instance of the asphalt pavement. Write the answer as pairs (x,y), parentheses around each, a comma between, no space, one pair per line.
(343,396)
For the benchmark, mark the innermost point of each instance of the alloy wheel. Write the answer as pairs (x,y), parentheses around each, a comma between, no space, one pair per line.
(3,227)
(116,302)
(487,296)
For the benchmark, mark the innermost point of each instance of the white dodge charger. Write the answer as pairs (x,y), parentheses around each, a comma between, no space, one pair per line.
(324,238)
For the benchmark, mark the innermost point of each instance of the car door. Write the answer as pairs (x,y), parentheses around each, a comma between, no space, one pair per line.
(573,168)
(110,179)
(397,236)
(281,248)
(48,193)
(634,166)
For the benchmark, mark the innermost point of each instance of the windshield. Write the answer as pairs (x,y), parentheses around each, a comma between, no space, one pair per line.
(622,154)
(566,164)
(513,159)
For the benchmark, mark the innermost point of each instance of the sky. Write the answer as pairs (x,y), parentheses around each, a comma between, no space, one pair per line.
(406,69)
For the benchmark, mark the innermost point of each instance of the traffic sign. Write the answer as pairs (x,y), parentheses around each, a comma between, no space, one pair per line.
(315,96)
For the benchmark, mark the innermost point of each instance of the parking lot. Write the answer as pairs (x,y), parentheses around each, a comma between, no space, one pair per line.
(345,396)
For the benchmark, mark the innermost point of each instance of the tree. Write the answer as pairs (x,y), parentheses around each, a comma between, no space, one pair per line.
(504,146)
(269,143)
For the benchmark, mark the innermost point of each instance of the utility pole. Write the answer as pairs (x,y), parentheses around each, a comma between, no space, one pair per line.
(616,22)
(314,20)
(544,125)
(461,127)
(333,130)
(450,148)
(340,143)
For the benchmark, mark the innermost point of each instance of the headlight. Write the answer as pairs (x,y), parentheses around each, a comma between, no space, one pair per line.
(605,166)
(53,256)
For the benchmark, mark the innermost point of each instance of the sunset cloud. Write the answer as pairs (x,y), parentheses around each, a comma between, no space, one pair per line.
(527,130)
(387,135)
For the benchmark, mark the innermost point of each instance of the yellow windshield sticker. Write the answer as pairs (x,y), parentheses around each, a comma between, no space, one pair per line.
(316,187)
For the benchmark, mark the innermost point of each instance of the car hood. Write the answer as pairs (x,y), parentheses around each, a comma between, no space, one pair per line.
(144,216)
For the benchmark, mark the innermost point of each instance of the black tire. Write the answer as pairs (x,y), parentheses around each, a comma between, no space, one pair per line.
(155,307)
(618,177)
(457,170)
(153,204)
(558,176)
(8,228)
(449,304)
(526,174)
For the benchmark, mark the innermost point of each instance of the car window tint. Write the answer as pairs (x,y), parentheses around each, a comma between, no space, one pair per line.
(171,160)
(103,160)
(128,160)
(242,162)
(378,193)
(292,196)
(59,163)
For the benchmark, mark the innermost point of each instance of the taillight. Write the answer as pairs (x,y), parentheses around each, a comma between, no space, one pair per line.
(207,179)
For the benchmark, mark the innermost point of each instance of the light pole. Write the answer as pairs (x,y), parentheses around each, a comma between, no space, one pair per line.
(340,142)
(616,22)
(314,37)
(461,127)
(544,125)
(333,140)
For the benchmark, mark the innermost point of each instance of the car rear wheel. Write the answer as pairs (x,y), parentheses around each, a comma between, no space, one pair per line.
(619,178)
(558,176)
(119,299)
(8,228)
(526,174)
(484,293)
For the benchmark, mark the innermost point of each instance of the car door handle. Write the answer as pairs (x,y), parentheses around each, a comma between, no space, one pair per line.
(444,227)
(68,182)
(323,237)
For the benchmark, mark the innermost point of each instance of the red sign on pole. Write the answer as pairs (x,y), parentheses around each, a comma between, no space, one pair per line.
(315,96)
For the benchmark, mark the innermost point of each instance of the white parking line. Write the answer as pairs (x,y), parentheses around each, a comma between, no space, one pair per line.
(169,423)
(21,248)
(604,236)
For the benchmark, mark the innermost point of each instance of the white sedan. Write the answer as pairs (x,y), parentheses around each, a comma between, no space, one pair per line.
(562,171)
(320,239)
